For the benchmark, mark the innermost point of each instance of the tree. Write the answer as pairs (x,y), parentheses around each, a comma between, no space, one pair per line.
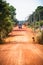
(39,12)
(37,15)
(12,12)
(6,22)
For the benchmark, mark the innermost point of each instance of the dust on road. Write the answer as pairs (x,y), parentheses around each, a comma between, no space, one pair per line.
(20,50)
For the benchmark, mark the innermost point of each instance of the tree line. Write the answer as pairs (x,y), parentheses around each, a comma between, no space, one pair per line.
(7,19)
(36,16)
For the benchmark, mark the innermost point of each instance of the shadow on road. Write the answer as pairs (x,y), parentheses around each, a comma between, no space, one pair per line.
(19,30)
(14,35)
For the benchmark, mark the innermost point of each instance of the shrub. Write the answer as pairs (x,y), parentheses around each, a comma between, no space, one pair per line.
(39,37)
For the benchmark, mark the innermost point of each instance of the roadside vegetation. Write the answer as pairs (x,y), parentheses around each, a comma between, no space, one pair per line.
(7,19)
(35,21)
(39,37)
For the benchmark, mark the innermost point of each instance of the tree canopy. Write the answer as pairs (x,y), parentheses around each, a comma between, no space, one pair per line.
(36,15)
(7,14)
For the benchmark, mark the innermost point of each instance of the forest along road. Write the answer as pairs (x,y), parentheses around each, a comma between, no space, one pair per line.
(19,49)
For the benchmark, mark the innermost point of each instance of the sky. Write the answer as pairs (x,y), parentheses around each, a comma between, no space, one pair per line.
(25,7)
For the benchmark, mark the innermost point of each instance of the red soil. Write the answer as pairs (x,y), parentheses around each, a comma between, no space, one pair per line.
(20,49)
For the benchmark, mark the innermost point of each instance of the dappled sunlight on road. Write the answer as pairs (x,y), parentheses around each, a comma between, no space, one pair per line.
(21,39)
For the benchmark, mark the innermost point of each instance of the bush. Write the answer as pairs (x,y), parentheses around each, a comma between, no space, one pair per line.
(7,14)
(5,28)
(39,37)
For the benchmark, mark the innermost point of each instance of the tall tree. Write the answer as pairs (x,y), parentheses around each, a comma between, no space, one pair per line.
(37,15)
(12,12)
(6,22)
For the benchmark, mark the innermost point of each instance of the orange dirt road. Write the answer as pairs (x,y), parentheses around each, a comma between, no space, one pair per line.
(20,49)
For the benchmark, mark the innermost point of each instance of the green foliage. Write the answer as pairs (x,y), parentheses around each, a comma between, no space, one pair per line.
(6,22)
(12,12)
(37,15)
(40,38)
(4,9)
(41,23)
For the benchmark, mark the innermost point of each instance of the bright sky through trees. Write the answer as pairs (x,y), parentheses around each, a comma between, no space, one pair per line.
(24,7)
